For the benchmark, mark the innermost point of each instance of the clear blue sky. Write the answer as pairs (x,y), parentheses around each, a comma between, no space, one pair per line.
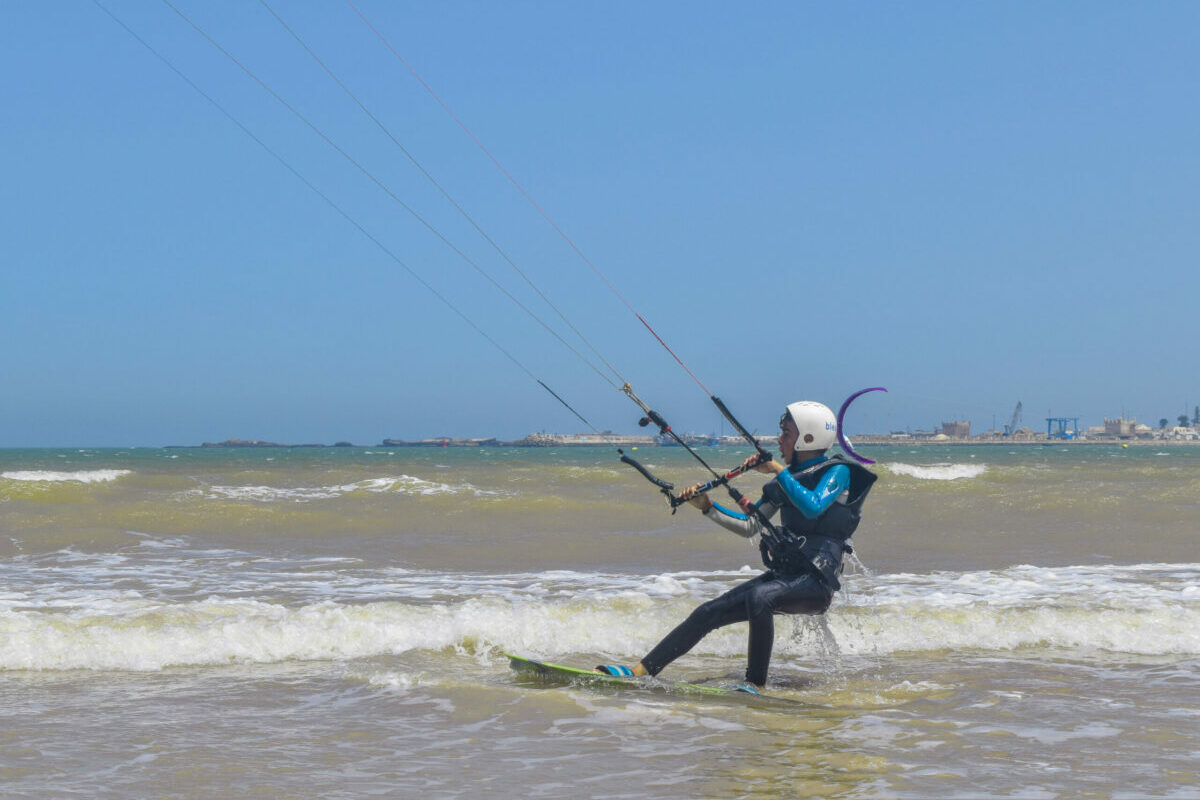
(969,203)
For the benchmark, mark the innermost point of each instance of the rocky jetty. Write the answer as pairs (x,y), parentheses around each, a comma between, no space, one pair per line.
(254,443)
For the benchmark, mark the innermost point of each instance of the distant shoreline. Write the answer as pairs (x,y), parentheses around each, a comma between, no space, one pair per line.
(1043,442)
(546,440)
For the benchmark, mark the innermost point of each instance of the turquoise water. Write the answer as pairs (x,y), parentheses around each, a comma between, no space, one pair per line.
(330,622)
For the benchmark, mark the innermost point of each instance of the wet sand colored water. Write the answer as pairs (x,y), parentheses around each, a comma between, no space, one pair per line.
(331,624)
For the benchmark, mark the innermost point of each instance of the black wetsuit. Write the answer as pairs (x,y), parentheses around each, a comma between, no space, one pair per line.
(803,561)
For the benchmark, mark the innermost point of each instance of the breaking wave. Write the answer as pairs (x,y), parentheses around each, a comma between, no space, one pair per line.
(1091,610)
(937,472)
(80,476)
(403,484)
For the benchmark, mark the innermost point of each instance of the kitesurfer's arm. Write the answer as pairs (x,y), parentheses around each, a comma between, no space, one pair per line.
(731,520)
(736,521)
(814,502)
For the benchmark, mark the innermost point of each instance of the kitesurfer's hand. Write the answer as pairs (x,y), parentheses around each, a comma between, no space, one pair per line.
(700,501)
(769,467)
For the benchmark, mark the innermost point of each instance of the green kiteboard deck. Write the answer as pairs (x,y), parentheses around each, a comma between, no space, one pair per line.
(541,669)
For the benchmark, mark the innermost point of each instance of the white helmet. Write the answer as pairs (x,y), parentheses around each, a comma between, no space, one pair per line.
(816,423)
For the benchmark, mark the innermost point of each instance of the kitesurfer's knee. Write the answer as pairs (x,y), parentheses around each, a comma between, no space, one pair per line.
(759,604)
(705,616)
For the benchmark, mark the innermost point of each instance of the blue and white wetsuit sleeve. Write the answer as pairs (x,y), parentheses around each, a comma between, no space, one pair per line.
(738,522)
(812,503)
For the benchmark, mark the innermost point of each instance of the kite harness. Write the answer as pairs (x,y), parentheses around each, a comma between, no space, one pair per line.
(775,539)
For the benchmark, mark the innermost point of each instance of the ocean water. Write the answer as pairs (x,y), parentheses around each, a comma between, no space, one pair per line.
(1019,622)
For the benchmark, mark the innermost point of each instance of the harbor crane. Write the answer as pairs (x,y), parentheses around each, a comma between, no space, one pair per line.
(1057,427)
(1011,428)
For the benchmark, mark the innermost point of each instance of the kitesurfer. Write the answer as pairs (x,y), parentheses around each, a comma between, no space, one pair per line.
(820,500)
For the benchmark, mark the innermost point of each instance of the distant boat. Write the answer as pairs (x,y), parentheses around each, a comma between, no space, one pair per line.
(690,439)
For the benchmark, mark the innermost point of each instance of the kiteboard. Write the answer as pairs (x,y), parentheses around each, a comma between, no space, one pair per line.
(550,672)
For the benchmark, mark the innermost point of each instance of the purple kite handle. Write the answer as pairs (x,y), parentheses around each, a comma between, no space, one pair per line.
(842,414)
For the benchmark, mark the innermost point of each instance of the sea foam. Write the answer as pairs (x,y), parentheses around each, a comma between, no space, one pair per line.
(1088,610)
(402,484)
(80,476)
(937,472)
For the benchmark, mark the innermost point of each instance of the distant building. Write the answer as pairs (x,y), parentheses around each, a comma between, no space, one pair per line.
(443,441)
(957,430)
(1124,428)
